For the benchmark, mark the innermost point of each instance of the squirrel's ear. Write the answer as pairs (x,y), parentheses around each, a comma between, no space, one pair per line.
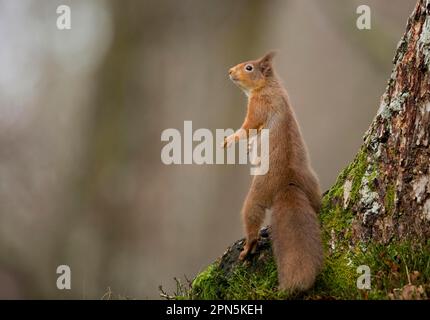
(265,63)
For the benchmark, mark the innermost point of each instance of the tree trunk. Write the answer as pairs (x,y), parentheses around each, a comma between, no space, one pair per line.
(378,212)
(393,191)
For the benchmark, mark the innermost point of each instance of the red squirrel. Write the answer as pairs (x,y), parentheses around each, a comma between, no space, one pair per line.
(290,187)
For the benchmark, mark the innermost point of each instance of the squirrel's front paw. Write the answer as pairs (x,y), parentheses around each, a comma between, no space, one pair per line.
(256,161)
(228,141)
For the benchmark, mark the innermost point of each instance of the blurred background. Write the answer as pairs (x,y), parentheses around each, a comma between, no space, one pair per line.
(82,111)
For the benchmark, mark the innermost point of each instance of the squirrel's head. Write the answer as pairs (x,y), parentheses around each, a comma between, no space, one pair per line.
(251,75)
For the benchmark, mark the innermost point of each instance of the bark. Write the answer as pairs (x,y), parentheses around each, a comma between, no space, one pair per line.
(378,211)
(396,203)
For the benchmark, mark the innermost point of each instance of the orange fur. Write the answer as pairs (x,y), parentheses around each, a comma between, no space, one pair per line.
(290,187)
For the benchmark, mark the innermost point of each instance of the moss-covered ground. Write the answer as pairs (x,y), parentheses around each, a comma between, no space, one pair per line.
(399,269)
(392,268)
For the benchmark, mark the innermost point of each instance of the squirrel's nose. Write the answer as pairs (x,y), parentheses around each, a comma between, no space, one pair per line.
(230,71)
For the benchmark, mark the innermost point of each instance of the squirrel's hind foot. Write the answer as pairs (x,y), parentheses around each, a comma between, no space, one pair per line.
(249,247)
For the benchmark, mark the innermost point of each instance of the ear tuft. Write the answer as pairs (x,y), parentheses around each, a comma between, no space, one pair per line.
(270,55)
(265,63)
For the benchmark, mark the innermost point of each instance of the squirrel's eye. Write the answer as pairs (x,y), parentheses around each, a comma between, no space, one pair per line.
(249,67)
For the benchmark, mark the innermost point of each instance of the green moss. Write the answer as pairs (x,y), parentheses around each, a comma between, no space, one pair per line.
(389,199)
(207,284)
(391,267)
(336,225)
(372,175)
(240,283)
(337,279)
(357,172)
(243,284)
(335,216)
(354,173)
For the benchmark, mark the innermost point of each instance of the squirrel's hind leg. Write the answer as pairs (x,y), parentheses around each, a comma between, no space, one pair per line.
(253,213)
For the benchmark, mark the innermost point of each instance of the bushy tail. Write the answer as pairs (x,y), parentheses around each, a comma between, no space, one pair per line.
(296,241)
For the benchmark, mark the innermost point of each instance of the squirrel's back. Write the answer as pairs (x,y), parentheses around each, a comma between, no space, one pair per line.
(296,199)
